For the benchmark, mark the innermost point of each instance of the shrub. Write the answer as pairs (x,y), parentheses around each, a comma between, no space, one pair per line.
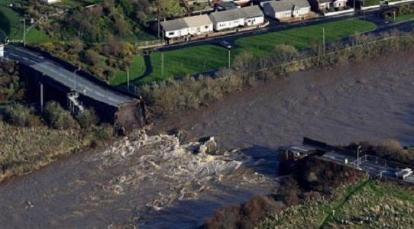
(103,132)
(57,117)
(87,118)
(20,115)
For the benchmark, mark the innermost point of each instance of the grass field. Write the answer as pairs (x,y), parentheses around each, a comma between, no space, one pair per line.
(303,37)
(11,24)
(407,17)
(367,204)
(206,57)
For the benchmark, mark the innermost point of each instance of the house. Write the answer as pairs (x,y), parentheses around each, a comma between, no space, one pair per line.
(198,25)
(340,4)
(187,26)
(175,28)
(228,19)
(321,5)
(286,9)
(253,15)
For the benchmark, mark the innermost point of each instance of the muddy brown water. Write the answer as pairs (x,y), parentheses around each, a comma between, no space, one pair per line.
(369,101)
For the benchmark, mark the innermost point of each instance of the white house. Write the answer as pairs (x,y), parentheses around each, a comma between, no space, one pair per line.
(285,9)
(253,15)
(340,4)
(187,26)
(228,19)
(198,25)
(175,28)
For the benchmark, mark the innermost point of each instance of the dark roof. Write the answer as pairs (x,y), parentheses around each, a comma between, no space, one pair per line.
(175,24)
(284,5)
(227,15)
(252,11)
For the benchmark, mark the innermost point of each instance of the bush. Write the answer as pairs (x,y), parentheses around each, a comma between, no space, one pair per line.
(87,119)
(57,117)
(20,115)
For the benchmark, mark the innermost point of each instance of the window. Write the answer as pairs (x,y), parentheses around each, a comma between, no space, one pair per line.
(206,27)
(171,33)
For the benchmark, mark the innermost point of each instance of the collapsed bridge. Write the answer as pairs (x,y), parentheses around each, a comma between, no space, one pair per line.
(67,83)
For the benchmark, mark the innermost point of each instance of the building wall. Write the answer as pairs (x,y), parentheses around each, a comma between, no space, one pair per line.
(201,29)
(176,33)
(218,26)
(254,21)
(324,6)
(340,3)
(283,14)
(300,12)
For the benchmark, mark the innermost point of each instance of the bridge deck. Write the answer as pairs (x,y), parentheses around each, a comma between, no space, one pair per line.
(67,78)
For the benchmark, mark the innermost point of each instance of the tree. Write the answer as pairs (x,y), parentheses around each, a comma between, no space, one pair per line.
(57,117)
(92,57)
(87,118)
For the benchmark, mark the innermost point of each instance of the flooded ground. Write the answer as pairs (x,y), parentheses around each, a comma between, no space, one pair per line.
(156,182)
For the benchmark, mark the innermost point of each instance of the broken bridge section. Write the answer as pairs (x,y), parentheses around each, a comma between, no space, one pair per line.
(65,82)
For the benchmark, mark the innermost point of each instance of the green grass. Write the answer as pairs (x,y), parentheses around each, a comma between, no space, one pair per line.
(137,69)
(407,17)
(304,37)
(179,62)
(206,57)
(11,24)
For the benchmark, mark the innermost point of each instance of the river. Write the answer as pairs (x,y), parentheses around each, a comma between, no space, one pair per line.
(158,182)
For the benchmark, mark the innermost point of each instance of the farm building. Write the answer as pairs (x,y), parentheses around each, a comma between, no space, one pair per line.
(228,19)
(253,15)
(195,25)
(285,9)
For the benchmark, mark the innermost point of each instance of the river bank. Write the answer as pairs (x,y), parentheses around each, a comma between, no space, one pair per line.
(136,183)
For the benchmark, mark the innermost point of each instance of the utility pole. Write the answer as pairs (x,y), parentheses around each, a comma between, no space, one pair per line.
(41,97)
(24,30)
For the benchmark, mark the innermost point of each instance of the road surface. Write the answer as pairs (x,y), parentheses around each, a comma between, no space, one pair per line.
(67,78)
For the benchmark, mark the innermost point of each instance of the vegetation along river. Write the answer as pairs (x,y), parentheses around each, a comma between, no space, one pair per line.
(159,182)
